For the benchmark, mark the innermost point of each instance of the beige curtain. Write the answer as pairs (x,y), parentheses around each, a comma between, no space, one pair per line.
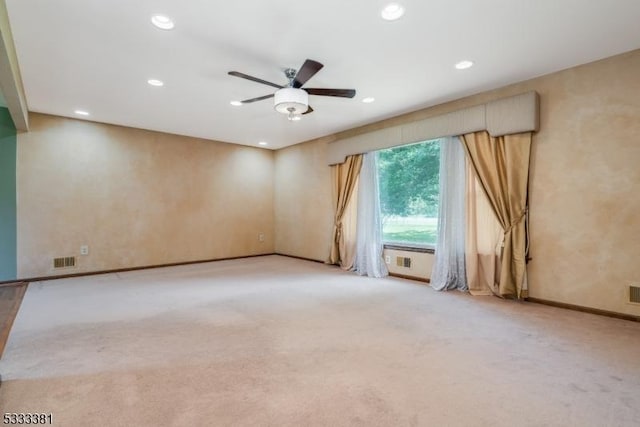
(345,181)
(348,242)
(484,236)
(502,167)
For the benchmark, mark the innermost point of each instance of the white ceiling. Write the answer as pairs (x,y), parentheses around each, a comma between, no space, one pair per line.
(97,55)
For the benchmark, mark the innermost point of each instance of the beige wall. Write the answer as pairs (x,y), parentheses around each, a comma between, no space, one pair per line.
(304,212)
(585,187)
(136,197)
(585,182)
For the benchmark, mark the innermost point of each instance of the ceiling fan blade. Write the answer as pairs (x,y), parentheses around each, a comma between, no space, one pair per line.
(308,70)
(309,110)
(253,79)
(343,93)
(260,98)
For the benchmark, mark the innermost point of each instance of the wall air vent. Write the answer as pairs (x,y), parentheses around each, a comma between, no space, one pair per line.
(64,262)
(634,294)
(403,262)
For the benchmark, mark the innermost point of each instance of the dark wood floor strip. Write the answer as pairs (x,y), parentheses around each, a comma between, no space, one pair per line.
(10,300)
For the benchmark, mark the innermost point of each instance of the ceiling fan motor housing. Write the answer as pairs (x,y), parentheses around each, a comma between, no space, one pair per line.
(291,101)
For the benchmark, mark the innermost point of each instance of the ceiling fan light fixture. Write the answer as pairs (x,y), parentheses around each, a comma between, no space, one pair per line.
(291,101)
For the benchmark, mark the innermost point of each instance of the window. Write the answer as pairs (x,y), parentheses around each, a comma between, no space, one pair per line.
(409,187)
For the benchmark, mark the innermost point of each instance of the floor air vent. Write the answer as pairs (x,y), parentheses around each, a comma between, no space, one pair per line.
(64,262)
(402,261)
(634,294)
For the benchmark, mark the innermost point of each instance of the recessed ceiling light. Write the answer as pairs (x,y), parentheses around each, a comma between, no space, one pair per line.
(392,11)
(368,100)
(262,143)
(81,112)
(236,103)
(155,82)
(162,22)
(463,65)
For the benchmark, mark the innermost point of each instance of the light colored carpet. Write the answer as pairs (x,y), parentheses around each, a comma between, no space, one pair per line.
(278,341)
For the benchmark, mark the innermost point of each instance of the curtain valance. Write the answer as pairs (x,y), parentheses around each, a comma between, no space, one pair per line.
(515,114)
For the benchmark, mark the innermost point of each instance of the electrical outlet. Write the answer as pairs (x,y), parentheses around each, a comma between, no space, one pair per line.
(387,259)
(84,250)
(261,237)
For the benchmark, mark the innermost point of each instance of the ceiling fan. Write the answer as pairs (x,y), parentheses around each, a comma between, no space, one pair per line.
(292,99)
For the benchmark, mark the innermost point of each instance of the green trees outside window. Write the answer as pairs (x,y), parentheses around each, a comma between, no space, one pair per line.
(409,186)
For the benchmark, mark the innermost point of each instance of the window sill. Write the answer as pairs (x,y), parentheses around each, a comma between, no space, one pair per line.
(410,248)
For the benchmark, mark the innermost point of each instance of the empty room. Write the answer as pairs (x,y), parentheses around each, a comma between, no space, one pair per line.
(409,213)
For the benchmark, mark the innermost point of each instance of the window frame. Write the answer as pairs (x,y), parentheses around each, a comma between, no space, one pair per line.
(409,246)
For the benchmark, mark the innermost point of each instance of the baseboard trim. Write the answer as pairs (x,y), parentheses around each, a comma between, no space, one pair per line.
(123,270)
(583,309)
(400,276)
(404,276)
(302,258)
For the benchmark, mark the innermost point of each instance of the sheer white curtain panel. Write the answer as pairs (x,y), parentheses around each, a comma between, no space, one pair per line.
(449,266)
(369,244)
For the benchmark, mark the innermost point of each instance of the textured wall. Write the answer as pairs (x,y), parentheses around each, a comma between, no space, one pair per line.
(585,186)
(136,197)
(7,196)
(304,212)
(585,181)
